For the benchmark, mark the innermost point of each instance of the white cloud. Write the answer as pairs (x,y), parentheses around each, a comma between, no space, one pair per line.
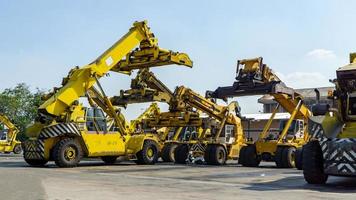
(321,54)
(304,79)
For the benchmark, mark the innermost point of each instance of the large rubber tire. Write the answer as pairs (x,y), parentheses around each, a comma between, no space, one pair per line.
(207,154)
(215,155)
(242,156)
(299,158)
(313,163)
(17,149)
(67,153)
(148,154)
(181,154)
(278,157)
(288,157)
(168,152)
(36,163)
(109,160)
(251,159)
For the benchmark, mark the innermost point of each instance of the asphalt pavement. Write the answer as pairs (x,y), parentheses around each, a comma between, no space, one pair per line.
(126,180)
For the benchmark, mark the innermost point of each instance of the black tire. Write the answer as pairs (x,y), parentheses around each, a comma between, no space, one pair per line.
(67,153)
(168,152)
(278,157)
(36,163)
(288,158)
(251,159)
(17,149)
(181,154)
(215,155)
(299,158)
(242,153)
(207,154)
(109,160)
(149,153)
(313,163)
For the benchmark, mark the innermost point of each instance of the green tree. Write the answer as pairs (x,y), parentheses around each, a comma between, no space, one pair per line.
(20,105)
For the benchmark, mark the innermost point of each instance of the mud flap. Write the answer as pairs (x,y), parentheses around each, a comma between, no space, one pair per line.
(33,149)
(339,154)
(194,150)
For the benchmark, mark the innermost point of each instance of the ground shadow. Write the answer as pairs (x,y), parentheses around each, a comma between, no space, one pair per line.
(334,185)
(90,163)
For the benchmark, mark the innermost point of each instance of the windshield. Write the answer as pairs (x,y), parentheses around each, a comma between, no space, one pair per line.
(3,134)
(283,124)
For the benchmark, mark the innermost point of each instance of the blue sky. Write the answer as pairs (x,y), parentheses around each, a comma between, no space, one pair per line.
(304,41)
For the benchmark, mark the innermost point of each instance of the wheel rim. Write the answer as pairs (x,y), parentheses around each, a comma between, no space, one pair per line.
(292,158)
(70,153)
(18,149)
(150,152)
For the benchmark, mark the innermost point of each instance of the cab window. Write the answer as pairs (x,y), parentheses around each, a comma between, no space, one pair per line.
(4,132)
(291,129)
(352,106)
(3,135)
(95,120)
(90,119)
(100,119)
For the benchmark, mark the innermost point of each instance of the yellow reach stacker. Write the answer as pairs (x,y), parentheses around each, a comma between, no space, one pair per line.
(65,131)
(216,138)
(178,126)
(224,136)
(8,134)
(255,78)
(332,149)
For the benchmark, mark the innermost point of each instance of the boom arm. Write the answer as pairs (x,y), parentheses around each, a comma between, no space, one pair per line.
(79,80)
(147,88)
(99,98)
(290,103)
(13,130)
(184,97)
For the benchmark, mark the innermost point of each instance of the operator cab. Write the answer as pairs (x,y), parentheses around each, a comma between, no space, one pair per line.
(346,89)
(96,120)
(228,134)
(296,129)
(4,133)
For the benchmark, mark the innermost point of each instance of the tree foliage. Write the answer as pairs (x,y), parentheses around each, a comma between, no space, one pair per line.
(20,105)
